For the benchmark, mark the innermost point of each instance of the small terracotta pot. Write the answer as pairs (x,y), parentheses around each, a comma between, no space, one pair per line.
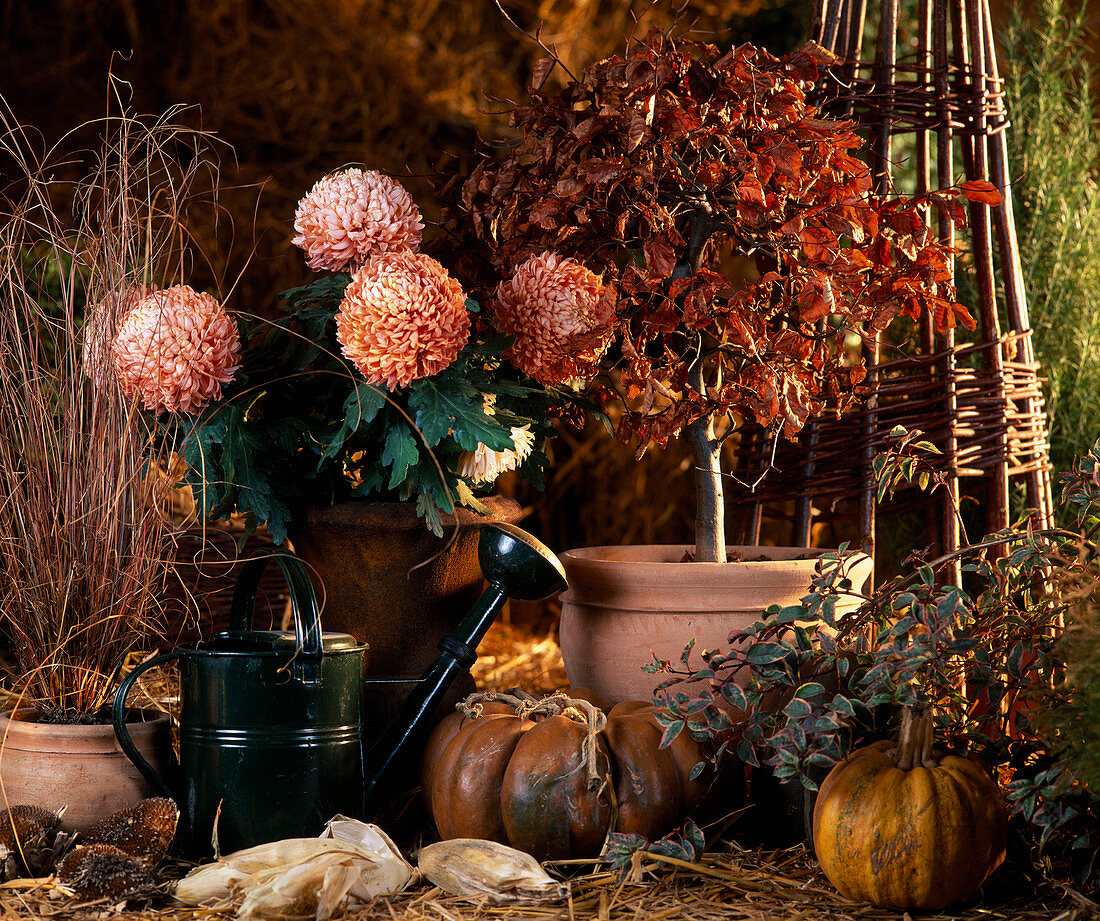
(81,768)
(625,604)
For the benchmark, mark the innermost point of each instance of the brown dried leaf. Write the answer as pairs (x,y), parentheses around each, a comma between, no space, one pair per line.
(660,257)
(540,72)
(596,170)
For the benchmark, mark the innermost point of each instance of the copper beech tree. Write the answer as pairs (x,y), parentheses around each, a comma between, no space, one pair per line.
(654,170)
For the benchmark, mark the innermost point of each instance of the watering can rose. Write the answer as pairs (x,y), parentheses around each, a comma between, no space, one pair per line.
(349,216)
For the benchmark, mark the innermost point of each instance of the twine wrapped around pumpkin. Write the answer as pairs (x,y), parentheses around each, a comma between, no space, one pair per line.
(557,704)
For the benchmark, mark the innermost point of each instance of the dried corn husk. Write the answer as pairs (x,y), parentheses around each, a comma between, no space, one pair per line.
(471,866)
(299,877)
(361,834)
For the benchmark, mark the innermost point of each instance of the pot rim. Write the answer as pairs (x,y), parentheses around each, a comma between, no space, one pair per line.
(649,577)
(628,555)
(17,716)
(401,515)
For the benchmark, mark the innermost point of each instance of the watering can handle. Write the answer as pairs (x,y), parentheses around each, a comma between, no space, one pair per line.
(303,604)
(118,717)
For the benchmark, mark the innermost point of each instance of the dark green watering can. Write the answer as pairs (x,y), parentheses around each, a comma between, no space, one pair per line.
(270,723)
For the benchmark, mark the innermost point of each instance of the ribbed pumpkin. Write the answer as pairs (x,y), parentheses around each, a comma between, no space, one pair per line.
(543,776)
(901,826)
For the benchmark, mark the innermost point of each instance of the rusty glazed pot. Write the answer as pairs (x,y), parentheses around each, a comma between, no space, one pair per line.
(364,560)
(625,604)
(81,768)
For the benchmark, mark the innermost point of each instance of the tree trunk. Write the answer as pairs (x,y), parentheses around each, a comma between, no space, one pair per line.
(710,512)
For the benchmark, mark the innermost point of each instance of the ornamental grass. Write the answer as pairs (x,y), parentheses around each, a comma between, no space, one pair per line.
(84,535)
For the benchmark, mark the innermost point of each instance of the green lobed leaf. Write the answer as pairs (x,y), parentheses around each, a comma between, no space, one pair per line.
(360,408)
(399,452)
(450,404)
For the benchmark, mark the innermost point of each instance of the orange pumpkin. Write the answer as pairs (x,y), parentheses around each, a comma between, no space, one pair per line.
(549,777)
(901,826)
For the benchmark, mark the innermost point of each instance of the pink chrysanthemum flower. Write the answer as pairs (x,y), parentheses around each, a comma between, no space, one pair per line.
(483,466)
(102,322)
(560,314)
(175,349)
(403,317)
(350,216)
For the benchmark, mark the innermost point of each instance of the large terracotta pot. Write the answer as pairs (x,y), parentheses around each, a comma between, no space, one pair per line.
(80,768)
(625,604)
(365,560)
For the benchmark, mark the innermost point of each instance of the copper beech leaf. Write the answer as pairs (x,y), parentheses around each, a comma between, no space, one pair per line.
(540,72)
(660,257)
(982,191)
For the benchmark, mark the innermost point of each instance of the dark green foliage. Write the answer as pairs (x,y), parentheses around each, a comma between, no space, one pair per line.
(1076,723)
(299,424)
(685,843)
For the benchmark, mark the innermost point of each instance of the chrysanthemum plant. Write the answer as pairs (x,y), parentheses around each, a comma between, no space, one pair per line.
(652,174)
(380,380)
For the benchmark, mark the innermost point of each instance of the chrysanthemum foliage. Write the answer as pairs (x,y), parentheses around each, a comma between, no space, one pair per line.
(301,425)
(381,380)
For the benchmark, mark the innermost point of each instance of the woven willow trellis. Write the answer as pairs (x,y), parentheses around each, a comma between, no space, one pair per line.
(937,99)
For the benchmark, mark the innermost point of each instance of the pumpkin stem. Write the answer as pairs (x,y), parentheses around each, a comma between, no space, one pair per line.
(915,739)
(516,698)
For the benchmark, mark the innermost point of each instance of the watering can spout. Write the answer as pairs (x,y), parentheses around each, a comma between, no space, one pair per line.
(516,565)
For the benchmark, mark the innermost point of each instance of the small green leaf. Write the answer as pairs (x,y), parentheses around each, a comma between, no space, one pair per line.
(429,511)
(399,453)
(360,408)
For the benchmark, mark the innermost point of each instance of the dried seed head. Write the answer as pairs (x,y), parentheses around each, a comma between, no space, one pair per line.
(144,831)
(26,840)
(100,871)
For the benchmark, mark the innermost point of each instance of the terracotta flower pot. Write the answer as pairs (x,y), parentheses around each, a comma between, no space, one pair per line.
(625,604)
(81,768)
(365,560)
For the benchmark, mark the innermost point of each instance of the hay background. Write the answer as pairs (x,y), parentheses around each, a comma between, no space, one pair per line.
(302,87)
